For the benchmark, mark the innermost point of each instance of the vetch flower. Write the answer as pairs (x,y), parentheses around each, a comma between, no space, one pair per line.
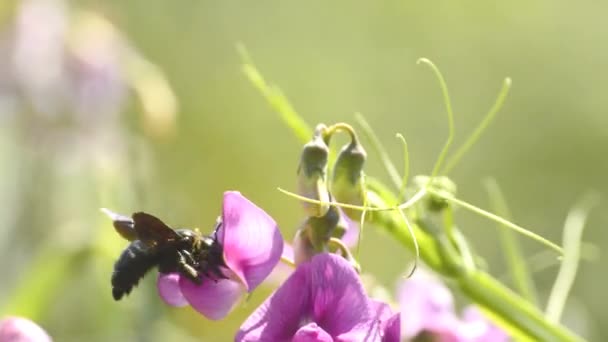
(427,306)
(251,247)
(323,300)
(427,313)
(18,329)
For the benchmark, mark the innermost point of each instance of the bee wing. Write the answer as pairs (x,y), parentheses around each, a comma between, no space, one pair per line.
(124,225)
(152,231)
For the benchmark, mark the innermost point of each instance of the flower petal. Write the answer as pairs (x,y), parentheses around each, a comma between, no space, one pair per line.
(288,253)
(213,299)
(326,291)
(279,317)
(392,329)
(390,323)
(284,268)
(311,332)
(169,290)
(340,304)
(426,304)
(351,235)
(250,238)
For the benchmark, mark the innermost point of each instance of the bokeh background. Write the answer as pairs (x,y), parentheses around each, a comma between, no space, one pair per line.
(142,105)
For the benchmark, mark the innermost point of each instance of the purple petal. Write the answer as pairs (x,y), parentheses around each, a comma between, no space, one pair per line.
(426,305)
(169,290)
(250,238)
(340,304)
(390,323)
(311,332)
(19,329)
(351,236)
(288,253)
(279,317)
(392,329)
(326,291)
(213,299)
(283,269)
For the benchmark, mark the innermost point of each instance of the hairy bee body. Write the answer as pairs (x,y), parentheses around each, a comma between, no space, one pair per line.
(134,262)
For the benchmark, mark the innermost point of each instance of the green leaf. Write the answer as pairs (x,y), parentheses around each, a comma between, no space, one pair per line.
(275,97)
(516,263)
(573,234)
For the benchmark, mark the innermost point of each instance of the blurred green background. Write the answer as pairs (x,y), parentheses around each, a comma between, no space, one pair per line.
(142,105)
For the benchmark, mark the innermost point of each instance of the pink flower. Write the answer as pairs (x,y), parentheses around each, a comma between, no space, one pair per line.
(427,313)
(323,300)
(17,329)
(252,245)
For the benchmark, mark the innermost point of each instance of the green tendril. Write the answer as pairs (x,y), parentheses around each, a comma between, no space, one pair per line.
(288,262)
(379,149)
(410,230)
(448,107)
(474,137)
(406,167)
(496,218)
(363,214)
(418,196)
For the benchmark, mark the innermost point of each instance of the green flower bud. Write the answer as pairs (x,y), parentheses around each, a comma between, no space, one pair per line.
(312,173)
(441,184)
(347,179)
(314,234)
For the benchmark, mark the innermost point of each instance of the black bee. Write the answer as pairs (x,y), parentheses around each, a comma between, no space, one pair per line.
(155,244)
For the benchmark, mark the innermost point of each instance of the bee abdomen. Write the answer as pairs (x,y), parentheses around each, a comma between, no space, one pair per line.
(134,262)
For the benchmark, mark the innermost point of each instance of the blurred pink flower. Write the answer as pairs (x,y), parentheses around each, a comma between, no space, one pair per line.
(18,329)
(427,313)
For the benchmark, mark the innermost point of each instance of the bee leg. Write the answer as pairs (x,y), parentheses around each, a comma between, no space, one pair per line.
(189,258)
(186,269)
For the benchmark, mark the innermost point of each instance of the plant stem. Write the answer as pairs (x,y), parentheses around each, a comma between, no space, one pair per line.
(507,309)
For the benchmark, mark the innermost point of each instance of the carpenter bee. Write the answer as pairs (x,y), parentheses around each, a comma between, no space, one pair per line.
(153,243)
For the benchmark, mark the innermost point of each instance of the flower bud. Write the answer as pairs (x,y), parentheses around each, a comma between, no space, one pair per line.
(314,234)
(441,184)
(312,173)
(347,180)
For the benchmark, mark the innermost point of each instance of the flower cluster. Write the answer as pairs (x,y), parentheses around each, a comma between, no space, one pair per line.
(324,299)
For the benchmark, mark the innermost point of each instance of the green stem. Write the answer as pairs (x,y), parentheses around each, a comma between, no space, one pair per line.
(521,319)
(511,310)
